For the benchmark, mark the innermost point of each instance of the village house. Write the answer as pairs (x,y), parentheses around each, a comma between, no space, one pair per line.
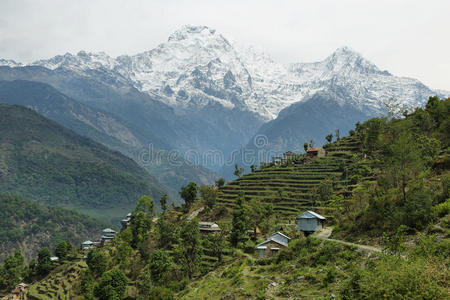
(208,227)
(276,160)
(108,235)
(272,245)
(86,245)
(315,152)
(310,221)
(126,221)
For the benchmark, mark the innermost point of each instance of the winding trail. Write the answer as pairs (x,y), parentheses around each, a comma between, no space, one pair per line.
(325,234)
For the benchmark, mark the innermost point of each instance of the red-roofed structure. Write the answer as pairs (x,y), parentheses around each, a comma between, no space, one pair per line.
(315,152)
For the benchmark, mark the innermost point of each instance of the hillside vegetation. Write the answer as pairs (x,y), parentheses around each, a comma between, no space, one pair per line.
(107,129)
(32,226)
(386,184)
(45,162)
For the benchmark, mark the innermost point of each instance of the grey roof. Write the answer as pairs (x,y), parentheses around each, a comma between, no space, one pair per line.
(87,243)
(311,215)
(283,235)
(109,230)
(275,238)
(206,223)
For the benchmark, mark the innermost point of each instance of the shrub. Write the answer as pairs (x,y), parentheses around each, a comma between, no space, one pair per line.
(395,278)
(442,209)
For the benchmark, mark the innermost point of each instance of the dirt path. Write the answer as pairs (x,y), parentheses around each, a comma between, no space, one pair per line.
(325,234)
(195,213)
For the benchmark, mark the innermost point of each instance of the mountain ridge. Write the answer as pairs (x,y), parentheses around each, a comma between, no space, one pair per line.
(44,162)
(199,93)
(197,58)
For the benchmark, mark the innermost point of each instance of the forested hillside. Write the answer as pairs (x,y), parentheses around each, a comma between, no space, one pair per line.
(107,129)
(45,162)
(385,188)
(31,226)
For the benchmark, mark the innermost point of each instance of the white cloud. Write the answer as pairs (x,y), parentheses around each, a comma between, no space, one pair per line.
(407,37)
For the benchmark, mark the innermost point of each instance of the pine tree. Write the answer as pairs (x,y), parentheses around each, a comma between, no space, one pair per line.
(240,221)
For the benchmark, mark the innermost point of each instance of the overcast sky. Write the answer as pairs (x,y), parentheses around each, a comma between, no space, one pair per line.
(407,37)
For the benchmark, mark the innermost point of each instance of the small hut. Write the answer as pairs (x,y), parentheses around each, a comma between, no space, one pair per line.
(87,245)
(272,244)
(208,227)
(315,152)
(277,160)
(310,221)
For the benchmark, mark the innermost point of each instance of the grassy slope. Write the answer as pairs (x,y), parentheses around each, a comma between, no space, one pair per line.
(42,161)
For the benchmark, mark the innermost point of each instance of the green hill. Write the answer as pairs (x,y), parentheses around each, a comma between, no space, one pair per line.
(385,190)
(295,185)
(45,162)
(31,226)
(109,130)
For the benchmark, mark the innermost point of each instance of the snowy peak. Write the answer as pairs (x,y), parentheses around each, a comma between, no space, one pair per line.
(190,31)
(197,66)
(9,63)
(345,59)
(81,61)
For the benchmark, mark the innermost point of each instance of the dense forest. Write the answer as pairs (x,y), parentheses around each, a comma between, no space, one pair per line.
(386,185)
(45,162)
(31,226)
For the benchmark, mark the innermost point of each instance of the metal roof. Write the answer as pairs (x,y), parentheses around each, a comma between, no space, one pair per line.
(275,238)
(310,215)
(283,235)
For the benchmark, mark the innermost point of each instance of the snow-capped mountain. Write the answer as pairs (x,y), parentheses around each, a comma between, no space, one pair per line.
(9,63)
(197,66)
(201,94)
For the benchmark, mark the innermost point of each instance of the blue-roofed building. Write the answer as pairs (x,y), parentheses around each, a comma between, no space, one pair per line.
(272,244)
(310,221)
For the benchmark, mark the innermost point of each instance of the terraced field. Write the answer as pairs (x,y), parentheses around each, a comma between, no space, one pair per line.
(292,187)
(60,284)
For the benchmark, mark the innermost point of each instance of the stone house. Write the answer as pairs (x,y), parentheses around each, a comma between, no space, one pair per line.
(315,152)
(272,244)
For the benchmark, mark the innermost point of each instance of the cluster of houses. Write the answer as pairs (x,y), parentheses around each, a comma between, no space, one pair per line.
(107,236)
(308,222)
(311,152)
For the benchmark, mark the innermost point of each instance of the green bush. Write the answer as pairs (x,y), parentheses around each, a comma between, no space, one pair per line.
(396,278)
(442,209)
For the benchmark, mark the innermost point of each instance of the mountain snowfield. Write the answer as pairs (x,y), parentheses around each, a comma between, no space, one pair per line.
(198,66)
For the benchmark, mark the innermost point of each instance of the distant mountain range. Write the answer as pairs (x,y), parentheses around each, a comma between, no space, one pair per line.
(200,94)
(106,128)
